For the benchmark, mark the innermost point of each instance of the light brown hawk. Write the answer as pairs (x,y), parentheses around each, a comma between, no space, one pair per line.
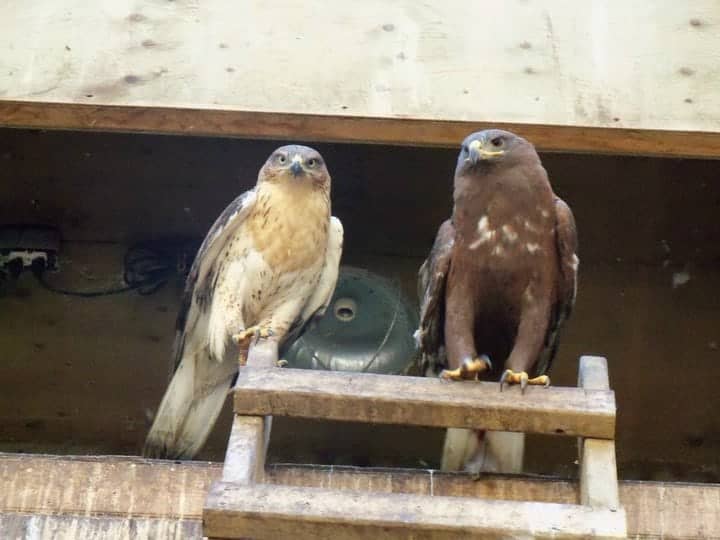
(268,265)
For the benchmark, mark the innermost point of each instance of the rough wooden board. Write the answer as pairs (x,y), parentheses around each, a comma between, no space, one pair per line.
(598,467)
(273,511)
(423,401)
(99,486)
(68,527)
(558,73)
(245,456)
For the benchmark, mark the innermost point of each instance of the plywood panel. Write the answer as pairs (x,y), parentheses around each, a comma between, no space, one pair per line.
(568,78)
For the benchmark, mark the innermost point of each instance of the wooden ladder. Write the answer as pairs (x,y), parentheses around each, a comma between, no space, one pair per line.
(243,505)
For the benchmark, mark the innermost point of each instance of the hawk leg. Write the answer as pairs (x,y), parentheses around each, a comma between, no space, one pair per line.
(521,378)
(258,332)
(244,338)
(469,369)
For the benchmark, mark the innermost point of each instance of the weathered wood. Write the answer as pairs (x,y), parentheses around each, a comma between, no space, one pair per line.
(273,511)
(67,527)
(598,468)
(423,401)
(250,435)
(568,79)
(245,455)
(126,486)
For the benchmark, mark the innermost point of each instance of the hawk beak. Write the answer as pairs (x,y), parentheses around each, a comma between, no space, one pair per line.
(296,168)
(478,152)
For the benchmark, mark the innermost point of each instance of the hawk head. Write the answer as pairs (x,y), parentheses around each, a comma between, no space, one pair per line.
(295,164)
(490,146)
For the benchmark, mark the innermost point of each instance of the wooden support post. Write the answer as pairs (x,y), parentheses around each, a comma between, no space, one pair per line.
(250,435)
(598,469)
(245,455)
(392,399)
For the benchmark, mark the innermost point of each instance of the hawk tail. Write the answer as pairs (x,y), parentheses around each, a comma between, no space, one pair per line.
(483,451)
(189,409)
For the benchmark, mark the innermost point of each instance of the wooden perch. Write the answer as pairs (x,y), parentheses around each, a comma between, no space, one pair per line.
(272,511)
(424,401)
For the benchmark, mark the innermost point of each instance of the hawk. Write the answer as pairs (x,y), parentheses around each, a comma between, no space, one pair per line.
(501,278)
(267,266)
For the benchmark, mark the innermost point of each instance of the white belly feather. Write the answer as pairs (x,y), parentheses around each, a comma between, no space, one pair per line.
(249,292)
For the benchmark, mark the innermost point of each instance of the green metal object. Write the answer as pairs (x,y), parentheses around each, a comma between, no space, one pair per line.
(368,327)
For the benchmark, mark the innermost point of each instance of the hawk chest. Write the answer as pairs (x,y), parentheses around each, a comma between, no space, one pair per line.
(290,230)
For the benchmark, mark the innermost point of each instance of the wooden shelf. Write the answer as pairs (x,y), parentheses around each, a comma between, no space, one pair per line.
(568,78)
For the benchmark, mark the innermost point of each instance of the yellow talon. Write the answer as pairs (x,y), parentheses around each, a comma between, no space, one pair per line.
(469,369)
(521,378)
(281,363)
(258,332)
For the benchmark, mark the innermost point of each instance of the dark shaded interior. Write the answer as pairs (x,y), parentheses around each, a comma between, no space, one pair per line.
(84,375)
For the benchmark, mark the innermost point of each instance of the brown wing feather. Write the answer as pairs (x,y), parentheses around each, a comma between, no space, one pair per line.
(432,277)
(567,245)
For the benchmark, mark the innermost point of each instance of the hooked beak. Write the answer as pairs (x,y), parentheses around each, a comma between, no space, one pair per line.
(478,152)
(296,168)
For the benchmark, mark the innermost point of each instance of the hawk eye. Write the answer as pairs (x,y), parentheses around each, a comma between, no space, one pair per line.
(311,162)
(464,149)
(281,158)
(497,141)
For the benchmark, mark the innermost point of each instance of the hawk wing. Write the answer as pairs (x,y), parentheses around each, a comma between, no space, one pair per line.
(194,307)
(200,382)
(320,299)
(432,278)
(566,242)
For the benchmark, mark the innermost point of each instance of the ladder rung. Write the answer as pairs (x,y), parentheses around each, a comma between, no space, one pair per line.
(273,511)
(424,401)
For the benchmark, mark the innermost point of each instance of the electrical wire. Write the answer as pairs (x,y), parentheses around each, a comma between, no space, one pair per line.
(146,268)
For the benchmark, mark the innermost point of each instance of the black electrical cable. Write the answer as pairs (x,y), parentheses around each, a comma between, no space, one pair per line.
(146,268)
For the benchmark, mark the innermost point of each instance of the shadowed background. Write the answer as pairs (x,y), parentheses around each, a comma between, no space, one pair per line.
(83,375)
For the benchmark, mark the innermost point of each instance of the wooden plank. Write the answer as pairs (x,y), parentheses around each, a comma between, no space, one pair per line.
(423,401)
(569,79)
(52,527)
(598,468)
(124,486)
(245,455)
(274,511)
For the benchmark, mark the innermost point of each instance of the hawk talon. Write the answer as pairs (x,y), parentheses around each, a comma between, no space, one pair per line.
(259,332)
(511,377)
(469,369)
(281,363)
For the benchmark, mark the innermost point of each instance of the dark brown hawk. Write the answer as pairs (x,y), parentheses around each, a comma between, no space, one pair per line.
(501,278)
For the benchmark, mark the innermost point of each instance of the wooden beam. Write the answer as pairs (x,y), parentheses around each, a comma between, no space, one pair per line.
(598,468)
(44,526)
(124,486)
(274,511)
(423,401)
(567,79)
